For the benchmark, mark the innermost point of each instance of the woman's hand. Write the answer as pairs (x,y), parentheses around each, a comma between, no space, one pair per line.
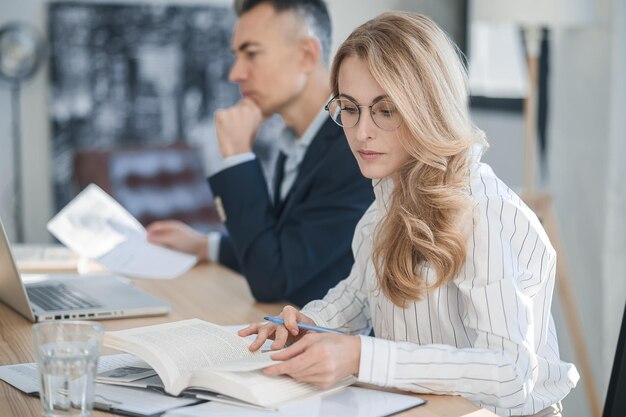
(281,335)
(321,359)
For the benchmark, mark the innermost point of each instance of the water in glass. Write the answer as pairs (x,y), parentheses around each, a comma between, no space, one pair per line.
(67,372)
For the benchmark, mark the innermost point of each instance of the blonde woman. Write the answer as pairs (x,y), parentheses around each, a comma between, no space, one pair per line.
(452,270)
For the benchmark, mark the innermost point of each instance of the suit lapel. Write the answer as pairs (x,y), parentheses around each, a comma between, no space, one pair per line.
(312,158)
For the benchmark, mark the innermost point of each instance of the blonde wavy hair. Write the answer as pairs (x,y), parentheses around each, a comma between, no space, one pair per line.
(420,69)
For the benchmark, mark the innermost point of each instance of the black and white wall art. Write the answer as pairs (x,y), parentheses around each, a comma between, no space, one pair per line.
(135,75)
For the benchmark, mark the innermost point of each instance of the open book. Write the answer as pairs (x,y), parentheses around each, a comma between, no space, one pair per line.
(195,354)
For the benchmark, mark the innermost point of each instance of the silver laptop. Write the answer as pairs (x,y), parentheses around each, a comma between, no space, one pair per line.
(71,296)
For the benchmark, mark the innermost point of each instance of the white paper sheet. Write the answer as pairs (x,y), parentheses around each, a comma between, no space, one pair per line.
(96,226)
(136,400)
(351,401)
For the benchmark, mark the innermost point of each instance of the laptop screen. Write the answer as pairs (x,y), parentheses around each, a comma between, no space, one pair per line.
(615,405)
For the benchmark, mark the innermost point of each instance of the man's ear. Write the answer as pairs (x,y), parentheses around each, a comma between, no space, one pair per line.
(310,53)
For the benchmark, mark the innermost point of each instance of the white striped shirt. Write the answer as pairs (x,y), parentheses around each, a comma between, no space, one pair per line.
(487,335)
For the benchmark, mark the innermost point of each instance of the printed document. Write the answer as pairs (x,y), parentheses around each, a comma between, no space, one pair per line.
(97,227)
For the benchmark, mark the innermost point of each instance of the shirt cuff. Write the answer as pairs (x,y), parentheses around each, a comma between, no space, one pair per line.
(313,315)
(378,361)
(214,246)
(231,161)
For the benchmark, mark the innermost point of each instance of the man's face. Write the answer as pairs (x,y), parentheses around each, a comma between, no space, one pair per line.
(268,58)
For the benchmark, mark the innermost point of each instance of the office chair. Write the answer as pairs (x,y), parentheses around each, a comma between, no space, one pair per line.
(615,405)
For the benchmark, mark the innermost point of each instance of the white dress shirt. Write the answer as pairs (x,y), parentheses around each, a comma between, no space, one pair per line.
(487,334)
(294,149)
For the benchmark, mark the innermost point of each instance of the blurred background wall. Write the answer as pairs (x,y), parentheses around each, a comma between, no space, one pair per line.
(586,153)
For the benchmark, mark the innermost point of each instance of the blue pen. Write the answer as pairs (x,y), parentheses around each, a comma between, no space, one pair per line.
(304,326)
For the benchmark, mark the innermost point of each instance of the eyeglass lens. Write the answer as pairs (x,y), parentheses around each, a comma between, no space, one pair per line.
(346,113)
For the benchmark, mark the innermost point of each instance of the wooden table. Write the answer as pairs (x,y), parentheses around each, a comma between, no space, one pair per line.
(208,292)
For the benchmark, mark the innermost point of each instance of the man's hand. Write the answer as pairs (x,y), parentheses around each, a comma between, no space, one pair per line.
(177,235)
(237,126)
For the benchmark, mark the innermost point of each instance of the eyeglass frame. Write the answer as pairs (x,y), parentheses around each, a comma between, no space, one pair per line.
(358,119)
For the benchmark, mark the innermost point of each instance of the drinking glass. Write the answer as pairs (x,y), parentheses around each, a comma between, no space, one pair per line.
(67,356)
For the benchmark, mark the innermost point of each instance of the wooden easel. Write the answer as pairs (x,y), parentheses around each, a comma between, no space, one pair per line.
(541,203)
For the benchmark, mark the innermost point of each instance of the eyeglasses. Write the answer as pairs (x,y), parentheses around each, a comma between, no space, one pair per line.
(346,113)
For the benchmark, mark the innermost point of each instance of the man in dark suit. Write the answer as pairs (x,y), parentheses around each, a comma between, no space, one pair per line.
(295,245)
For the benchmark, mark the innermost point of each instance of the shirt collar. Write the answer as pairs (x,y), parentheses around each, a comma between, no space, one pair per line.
(382,191)
(288,139)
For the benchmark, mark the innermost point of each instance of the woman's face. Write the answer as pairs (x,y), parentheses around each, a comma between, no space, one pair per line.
(377,151)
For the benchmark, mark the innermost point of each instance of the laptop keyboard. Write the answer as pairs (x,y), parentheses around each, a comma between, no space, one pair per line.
(58,296)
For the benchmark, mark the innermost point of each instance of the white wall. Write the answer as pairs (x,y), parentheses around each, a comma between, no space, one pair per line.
(614,276)
(35,137)
(6,161)
(587,137)
(588,148)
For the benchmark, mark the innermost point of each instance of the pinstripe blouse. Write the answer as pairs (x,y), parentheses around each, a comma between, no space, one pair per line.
(487,335)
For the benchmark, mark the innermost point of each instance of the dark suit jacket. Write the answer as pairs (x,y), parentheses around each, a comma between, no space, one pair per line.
(302,248)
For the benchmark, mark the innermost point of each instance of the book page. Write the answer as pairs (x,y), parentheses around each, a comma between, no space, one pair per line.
(235,328)
(253,363)
(177,349)
(257,388)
